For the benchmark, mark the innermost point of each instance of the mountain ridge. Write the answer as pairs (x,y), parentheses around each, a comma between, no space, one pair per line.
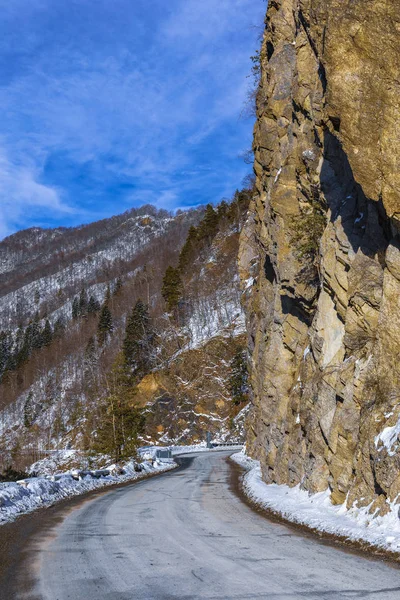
(57,365)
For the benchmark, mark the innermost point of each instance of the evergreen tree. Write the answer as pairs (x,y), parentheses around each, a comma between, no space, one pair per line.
(47,334)
(93,305)
(239,206)
(29,411)
(12,363)
(59,327)
(83,303)
(107,295)
(222,209)
(75,308)
(25,349)
(238,380)
(105,325)
(35,340)
(172,287)
(209,224)
(5,350)
(138,342)
(121,421)
(188,252)
(118,286)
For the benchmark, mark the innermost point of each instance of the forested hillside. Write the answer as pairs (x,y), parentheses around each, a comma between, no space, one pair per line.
(123,331)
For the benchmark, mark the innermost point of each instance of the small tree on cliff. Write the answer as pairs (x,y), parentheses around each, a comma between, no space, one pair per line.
(307,229)
(238,380)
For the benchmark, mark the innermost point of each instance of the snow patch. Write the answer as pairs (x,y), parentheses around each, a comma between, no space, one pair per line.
(388,437)
(318,512)
(36,492)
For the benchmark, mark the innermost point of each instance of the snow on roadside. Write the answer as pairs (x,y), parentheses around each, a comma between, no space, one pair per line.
(317,511)
(148,452)
(202,447)
(36,492)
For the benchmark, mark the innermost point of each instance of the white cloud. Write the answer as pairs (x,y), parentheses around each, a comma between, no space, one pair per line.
(22,193)
(147,113)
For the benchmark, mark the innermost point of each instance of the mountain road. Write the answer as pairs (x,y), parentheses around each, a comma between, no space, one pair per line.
(188,535)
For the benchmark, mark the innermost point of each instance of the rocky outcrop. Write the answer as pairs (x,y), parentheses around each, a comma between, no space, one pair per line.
(320,253)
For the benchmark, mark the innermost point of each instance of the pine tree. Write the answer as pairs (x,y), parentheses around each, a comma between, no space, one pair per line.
(47,334)
(75,308)
(238,207)
(121,421)
(138,342)
(5,349)
(83,303)
(222,209)
(31,336)
(93,305)
(188,252)
(29,411)
(105,325)
(172,287)
(35,341)
(118,286)
(59,327)
(209,224)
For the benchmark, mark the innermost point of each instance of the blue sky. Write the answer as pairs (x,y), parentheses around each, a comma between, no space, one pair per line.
(109,104)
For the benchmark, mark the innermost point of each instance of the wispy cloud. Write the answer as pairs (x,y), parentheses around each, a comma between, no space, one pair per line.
(23,196)
(106,104)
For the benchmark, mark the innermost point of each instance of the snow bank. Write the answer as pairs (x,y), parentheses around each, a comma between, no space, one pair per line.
(317,511)
(202,447)
(148,452)
(36,492)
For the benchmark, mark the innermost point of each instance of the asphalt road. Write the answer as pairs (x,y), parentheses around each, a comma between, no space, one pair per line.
(187,535)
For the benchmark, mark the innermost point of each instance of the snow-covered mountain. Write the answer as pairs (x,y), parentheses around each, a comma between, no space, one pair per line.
(40,269)
(53,380)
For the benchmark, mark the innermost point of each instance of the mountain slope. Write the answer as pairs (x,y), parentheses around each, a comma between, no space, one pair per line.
(55,362)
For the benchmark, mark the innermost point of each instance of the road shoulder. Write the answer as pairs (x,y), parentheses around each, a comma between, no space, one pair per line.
(359,548)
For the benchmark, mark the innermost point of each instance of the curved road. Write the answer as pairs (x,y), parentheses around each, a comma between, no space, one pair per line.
(187,535)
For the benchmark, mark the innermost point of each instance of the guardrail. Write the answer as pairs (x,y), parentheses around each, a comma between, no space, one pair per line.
(223,444)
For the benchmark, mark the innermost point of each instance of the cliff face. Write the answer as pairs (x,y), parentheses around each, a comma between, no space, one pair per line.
(320,253)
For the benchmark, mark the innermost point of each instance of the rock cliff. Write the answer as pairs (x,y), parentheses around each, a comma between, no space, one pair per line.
(320,253)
